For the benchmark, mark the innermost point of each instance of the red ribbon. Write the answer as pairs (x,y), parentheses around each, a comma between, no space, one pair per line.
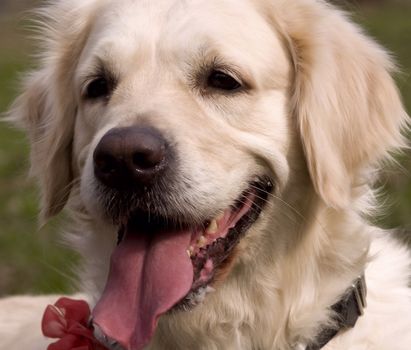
(68,321)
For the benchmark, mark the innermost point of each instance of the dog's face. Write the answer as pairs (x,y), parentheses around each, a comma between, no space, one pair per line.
(145,93)
(173,148)
(177,125)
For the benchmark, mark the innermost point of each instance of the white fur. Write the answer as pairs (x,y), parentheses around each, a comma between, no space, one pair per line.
(322,112)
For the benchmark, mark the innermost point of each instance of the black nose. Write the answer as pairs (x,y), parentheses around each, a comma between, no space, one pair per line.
(131,156)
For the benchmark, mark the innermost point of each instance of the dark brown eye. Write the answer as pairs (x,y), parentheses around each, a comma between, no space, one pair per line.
(223,81)
(98,88)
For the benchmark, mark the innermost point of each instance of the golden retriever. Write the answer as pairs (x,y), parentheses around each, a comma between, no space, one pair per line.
(217,158)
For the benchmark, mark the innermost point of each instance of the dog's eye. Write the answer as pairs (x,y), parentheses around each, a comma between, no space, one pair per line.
(98,88)
(222,81)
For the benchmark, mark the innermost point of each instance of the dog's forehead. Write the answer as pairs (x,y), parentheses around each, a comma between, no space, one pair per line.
(171,28)
(174,16)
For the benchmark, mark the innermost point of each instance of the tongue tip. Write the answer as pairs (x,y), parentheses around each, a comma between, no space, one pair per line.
(121,340)
(133,337)
(107,341)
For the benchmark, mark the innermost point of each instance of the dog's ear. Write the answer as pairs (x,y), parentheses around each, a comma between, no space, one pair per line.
(47,107)
(346,103)
(48,121)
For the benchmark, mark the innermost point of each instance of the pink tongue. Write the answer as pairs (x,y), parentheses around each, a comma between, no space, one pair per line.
(148,276)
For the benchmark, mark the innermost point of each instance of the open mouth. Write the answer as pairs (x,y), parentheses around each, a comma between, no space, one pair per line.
(159,266)
(211,248)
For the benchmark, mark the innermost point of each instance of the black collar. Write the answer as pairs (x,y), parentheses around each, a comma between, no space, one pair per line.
(346,313)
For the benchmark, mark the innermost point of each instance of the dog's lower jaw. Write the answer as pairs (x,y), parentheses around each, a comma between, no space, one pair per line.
(215,325)
(266,308)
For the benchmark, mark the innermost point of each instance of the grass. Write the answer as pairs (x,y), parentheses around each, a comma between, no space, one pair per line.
(33,260)
(391,26)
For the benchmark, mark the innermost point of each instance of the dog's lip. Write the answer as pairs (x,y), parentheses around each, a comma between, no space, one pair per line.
(260,187)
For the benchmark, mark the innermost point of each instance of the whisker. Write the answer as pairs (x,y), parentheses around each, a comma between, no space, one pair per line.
(288,205)
(66,191)
(255,207)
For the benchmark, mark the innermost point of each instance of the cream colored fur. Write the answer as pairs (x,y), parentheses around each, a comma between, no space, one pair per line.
(321,114)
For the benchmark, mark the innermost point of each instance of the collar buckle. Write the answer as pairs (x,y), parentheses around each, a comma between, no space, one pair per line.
(359,288)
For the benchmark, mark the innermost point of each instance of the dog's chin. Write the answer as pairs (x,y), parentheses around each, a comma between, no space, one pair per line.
(164,264)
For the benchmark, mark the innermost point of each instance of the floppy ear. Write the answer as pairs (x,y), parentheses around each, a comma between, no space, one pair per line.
(47,106)
(49,123)
(346,103)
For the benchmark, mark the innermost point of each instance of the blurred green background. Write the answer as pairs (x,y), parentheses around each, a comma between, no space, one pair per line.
(32,260)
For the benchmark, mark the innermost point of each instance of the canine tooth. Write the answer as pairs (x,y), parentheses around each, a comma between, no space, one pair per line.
(213,227)
(190,251)
(202,241)
(210,289)
(219,216)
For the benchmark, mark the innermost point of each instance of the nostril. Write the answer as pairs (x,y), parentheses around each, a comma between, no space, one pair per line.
(106,164)
(142,161)
(148,159)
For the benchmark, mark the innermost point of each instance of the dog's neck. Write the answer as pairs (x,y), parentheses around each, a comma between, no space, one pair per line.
(329,253)
(346,313)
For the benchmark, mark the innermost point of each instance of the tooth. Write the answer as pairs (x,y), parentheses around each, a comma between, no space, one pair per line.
(219,216)
(210,289)
(213,227)
(190,251)
(202,241)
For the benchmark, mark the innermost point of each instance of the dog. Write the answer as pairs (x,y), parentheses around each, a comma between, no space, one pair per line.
(217,159)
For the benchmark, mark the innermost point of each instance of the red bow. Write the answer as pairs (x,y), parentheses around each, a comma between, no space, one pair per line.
(68,321)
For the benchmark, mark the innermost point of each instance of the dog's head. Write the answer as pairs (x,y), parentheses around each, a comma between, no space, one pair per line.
(176,125)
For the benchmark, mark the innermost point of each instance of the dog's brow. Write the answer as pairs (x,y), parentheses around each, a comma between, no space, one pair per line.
(99,68)
(208,63)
